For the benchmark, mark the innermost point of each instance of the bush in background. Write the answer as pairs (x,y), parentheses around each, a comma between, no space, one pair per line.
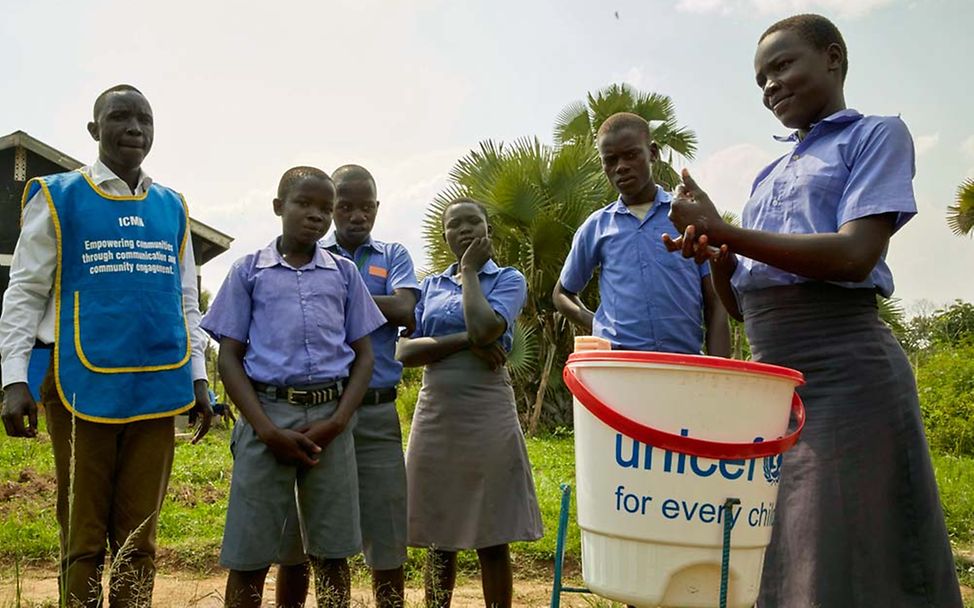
(945,381)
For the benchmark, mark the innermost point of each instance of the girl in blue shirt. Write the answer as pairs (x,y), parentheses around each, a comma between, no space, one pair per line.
(858,519)
(467,471)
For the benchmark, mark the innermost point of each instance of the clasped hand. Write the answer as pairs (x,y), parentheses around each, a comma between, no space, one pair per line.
(301,446)
(493,355)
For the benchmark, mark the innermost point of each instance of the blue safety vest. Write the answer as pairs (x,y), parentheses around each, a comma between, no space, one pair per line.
(122,348)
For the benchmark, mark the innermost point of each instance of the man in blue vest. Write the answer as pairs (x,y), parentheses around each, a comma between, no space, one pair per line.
(104,271)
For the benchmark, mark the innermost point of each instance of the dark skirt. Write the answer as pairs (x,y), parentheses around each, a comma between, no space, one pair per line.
(858,519)
(467,470)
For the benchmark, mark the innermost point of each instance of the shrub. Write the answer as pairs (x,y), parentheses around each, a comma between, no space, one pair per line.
(408,389)
(946,385)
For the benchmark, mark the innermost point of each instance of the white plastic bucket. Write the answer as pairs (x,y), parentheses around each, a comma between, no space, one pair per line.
(661,441)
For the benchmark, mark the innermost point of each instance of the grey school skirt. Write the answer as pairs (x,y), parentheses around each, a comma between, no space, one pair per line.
(858,521)
(467,471)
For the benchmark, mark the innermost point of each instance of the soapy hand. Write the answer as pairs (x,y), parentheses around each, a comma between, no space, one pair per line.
(692,207)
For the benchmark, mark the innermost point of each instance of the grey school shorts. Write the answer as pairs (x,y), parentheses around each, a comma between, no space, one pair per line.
(381,490)
(263,495)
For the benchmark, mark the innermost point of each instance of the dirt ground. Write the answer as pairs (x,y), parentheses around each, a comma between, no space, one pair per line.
(38,588)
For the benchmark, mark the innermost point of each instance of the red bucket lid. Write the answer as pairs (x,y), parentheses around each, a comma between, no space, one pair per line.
(735,365)
(678,443)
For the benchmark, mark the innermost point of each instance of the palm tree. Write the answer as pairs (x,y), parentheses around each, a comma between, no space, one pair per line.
(536,196)
(960,217)
(892,314)
(579,123)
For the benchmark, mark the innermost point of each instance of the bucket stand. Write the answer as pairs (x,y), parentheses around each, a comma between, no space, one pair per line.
(557,588)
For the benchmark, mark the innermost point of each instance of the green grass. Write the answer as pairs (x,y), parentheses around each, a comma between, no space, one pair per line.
(553,463)
(28,531)
(191,524)
(955,477)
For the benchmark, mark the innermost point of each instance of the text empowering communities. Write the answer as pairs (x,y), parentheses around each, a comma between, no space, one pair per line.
(129,256)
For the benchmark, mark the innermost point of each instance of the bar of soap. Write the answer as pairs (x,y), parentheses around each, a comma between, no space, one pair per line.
(591,343)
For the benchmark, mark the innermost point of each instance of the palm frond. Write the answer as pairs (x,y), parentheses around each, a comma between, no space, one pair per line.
(477,169)
(608,101)
(573,124)
(960,216)
(523,358)
(731,218)
(550,240)
(670,138)
(891,312)
(576,185)
(654,107)
(665,175)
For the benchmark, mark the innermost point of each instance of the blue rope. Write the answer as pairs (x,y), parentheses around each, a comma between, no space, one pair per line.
(729,504)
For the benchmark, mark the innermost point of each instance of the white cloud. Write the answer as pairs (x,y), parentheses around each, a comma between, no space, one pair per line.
(841,8)
(925,143)
(633,76)
(967,147)
(644,78)
(727,174)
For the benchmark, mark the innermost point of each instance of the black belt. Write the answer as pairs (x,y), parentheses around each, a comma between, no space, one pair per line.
(375,396)
(314,394)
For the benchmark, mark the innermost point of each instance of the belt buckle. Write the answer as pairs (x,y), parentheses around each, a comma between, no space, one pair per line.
(292,393)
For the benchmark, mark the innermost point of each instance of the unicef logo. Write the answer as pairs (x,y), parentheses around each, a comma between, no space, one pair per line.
(772,468)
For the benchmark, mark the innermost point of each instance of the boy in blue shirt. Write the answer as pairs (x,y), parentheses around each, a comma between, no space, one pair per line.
(388,273)
(649,300)
(293,323)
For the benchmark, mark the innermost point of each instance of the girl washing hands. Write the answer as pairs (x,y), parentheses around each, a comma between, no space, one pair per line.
(858,519)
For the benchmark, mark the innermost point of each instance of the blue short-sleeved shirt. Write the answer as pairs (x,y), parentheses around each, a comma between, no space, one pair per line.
(297,322)
(848,167)
(385,267)
(439,311)
(649,299)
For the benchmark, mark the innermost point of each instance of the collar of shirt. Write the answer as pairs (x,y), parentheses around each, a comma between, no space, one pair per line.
(330,242)
(104,177)
(489,267)
(269,256)
(662,198)
(841,117)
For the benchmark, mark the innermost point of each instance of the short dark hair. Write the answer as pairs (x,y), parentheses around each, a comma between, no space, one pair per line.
(466,200)
(625,120)
(100,100)
(352,173)
(295,175)
(816,30)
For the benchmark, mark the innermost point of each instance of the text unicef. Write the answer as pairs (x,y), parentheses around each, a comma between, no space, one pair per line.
(631,454)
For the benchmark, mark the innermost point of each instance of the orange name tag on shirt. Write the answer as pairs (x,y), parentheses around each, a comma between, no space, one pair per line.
(378,271)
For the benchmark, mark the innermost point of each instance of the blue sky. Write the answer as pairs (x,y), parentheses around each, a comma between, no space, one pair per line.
(242,91)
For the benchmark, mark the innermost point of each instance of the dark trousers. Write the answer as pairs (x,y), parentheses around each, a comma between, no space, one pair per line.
(110,504)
